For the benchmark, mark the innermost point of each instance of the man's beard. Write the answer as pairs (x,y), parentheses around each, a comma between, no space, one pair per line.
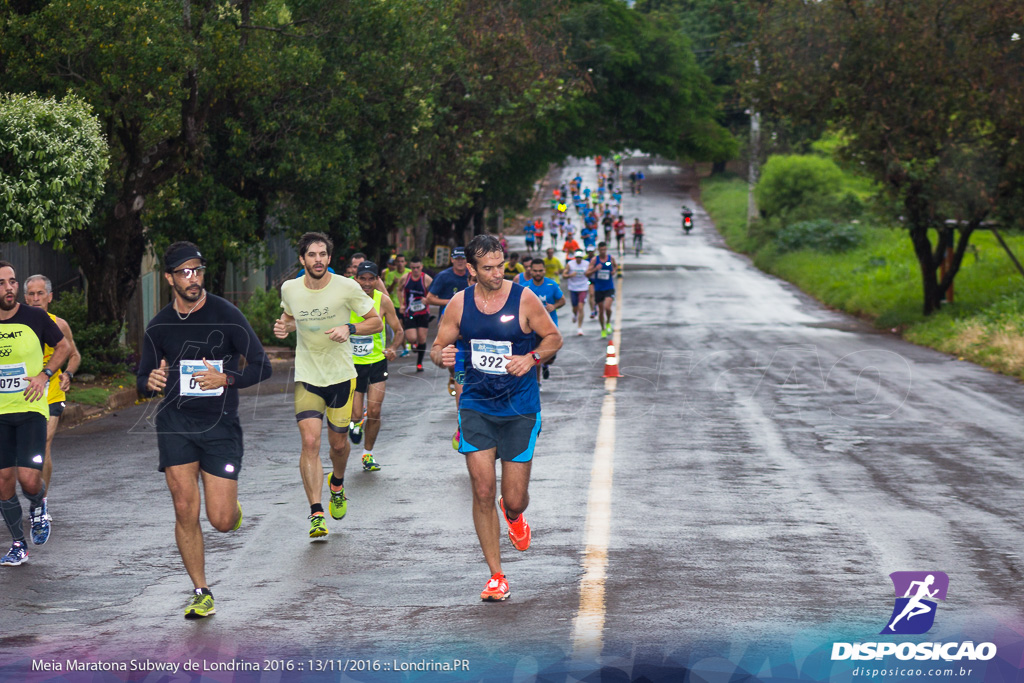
(186,295)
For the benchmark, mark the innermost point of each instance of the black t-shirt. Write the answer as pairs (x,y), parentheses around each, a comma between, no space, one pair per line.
(217,331)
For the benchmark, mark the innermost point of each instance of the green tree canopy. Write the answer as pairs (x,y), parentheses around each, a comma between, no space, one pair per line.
(52,162)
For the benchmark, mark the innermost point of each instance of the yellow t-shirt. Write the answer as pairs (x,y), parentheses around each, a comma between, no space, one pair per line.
(390,278)
(22,337)
(554,268)
(318,360)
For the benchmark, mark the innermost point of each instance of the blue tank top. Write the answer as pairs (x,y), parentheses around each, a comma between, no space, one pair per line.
(604,277)
(488,388)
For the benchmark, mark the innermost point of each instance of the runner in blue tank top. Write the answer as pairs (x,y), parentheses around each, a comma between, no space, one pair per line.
(508,333)
(602,273)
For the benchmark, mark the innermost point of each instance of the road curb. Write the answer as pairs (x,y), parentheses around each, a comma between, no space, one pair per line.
(76,413)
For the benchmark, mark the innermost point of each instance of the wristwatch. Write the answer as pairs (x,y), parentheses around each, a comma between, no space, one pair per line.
(536,358)
(230,381)
(70,375)
(48,372)
(351,329)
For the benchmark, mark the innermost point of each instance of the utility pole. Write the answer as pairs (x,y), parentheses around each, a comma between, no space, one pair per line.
(755,157)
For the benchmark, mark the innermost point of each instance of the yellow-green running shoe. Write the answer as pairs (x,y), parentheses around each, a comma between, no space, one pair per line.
(239,522)
(339,503)
(317,528)
(200,606)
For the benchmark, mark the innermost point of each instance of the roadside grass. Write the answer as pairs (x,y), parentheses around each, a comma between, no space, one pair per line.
(881,281)
(97,392)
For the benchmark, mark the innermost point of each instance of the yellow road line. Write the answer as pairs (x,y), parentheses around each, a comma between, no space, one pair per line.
(588,626)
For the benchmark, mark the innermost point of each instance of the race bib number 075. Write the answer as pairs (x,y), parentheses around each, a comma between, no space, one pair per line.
(489,356)
(13,378)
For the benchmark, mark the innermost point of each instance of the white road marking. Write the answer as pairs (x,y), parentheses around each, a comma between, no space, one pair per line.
(588,626)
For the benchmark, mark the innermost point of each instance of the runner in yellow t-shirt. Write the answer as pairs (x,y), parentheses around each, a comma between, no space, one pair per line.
(553,266)
(318,307)
(24,376)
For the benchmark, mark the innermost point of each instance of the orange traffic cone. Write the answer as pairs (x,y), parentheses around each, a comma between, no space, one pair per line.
(611,363)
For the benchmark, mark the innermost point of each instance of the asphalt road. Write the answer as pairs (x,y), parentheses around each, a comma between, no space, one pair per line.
(773,463)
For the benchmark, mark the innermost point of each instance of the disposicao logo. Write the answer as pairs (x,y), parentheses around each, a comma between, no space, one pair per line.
(916,592)
(913,614)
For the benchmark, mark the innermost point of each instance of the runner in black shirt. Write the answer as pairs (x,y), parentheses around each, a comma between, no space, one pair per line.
(191,354)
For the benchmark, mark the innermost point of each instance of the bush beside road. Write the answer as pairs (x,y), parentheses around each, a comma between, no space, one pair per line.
(880,281)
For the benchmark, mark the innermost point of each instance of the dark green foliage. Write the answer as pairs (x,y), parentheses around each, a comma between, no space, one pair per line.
(100,355)
(262,309)
(820,235)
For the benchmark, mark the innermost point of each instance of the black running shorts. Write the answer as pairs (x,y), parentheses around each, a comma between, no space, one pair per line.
(602,294)
(57,409)
(335,401)
(371,373)
(514,436)
(183,439)
(22,440)
(411,322)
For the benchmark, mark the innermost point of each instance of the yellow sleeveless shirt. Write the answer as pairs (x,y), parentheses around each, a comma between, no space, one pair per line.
(53,393)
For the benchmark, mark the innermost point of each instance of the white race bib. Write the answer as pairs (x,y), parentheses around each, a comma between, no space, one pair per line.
(189,385)
(489,356)
(417,305)
(13,378)
(361,346)
(604,274)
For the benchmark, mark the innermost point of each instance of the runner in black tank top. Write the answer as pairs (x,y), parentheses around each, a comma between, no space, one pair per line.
(414,312)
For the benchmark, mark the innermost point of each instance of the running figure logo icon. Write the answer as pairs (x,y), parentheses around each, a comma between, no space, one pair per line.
(914,611)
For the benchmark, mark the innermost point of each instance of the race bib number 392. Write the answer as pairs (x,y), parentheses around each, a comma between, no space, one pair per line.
(13,378)
(488,356)
(190,384)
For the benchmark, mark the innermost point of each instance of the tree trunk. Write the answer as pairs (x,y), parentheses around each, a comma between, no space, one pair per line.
(420,230)
(112,265)
(929,282)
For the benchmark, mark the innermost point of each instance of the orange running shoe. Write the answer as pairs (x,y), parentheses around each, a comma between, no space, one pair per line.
(518,531)
(496,589)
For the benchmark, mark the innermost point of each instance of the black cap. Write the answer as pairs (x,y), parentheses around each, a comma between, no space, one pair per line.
(367,267)
(459,252)
(184,251)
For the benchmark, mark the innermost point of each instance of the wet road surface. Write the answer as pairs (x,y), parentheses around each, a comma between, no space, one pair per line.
(773,462)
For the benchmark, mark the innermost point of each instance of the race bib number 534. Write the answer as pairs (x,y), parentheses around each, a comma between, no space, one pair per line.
(489,356)
(361,346)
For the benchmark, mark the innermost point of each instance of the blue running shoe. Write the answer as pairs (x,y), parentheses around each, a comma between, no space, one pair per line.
(40,525)
(15,556)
